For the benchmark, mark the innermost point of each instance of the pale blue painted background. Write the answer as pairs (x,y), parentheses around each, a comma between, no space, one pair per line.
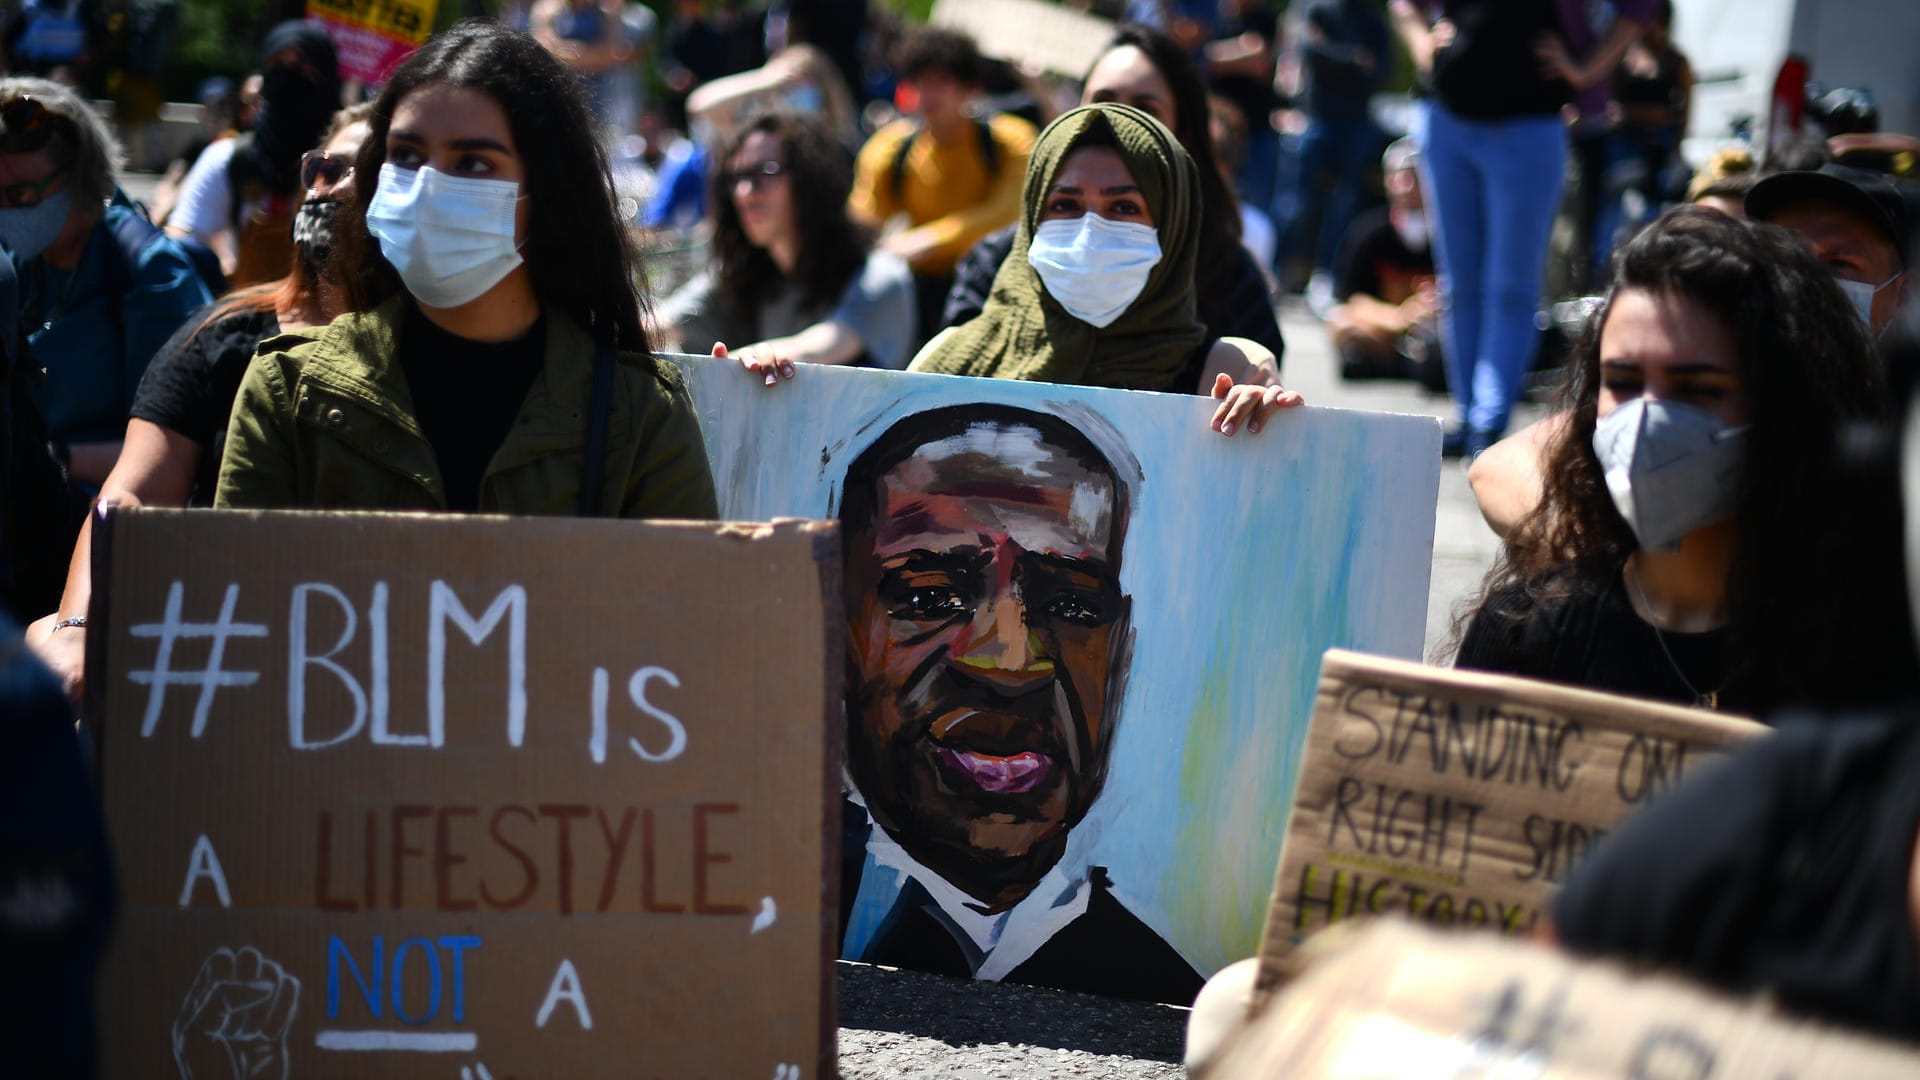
(1246,558)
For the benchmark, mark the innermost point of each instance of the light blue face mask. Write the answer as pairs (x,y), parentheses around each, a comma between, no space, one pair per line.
(30,230)
(449,237)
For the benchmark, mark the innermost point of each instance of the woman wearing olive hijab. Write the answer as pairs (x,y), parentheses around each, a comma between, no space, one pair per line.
(1099,287)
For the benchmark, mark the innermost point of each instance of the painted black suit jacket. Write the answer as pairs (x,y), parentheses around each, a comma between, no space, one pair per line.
(1107,950)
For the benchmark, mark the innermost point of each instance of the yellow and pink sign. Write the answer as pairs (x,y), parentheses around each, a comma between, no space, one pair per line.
(373,36)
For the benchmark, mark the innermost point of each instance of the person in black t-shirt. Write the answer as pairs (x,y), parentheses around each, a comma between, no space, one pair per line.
(179,416)
(1386,323)
(1701,537)
(1789,868)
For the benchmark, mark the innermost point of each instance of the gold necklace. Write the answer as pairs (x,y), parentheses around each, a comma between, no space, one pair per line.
(1702,699)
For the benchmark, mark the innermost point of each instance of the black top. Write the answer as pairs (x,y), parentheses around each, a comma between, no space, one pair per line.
(1254,96)
(466,395)
(1376,262)
(1597,642)
(1489,71)
(190,386)
(1338,83)
(1236,306)
(1785,869)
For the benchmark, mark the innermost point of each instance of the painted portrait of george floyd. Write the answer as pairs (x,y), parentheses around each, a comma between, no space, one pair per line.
(1082,642)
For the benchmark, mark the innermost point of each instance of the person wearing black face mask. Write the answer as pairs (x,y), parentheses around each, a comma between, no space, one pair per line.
(239,197)
(1700,537)
(171,455)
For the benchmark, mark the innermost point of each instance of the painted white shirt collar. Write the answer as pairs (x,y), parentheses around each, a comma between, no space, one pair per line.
(1004,940)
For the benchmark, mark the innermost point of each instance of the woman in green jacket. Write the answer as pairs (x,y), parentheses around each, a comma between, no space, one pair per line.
(493,359)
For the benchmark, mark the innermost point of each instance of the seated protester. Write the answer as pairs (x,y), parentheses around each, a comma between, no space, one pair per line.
(493,327)
(1387,319)
(1688,546)
(1858,223)
(1789,868)
(179,421)
(1143,68)
(792,273)
(238,198)
(101,289)
(952,176)
(1098,290)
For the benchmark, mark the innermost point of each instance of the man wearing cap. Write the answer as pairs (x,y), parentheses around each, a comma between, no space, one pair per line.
(1856,221)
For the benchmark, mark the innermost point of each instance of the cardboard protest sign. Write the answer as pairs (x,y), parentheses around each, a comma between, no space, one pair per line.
(1034,33)
(372,37)
(1397,999)
(1083,632)
(399,795)
(1461,798)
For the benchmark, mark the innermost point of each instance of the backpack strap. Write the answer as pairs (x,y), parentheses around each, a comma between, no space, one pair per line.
(593,471)
(134,232)
(897,175)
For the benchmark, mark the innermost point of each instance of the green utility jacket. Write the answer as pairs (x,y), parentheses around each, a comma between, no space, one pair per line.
(324,420)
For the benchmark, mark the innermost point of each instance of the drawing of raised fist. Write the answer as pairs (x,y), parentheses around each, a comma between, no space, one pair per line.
(233,1024)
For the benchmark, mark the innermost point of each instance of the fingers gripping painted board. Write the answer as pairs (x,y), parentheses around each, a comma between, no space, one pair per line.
(404,795)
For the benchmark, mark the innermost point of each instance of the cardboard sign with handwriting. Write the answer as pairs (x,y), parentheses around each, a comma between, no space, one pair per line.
(409,795)
(1461,798)
(1402,1000)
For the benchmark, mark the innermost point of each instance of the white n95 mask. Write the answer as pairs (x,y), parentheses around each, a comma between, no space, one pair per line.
(1671,468)
(1095,268)
(450,237)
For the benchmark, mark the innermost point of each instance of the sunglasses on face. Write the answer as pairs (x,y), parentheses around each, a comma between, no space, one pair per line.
(28,125)
(756,176)
(319,165)
(29,193)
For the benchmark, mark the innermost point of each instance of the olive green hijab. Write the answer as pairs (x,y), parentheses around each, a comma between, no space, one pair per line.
(1023,333)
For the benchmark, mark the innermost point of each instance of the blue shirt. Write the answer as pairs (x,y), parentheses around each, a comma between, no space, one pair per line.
(95,349)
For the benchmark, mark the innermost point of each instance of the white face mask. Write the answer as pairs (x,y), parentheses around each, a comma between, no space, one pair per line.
(450,237)
(1095,268)
(1861,294)
(1411,227)
(1670,468)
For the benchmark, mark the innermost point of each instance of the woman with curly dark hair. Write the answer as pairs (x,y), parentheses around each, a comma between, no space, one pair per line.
(1703,536)
(494,357)
(1148,70)
(794,279)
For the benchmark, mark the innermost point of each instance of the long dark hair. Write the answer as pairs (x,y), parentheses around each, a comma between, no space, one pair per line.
(577,251)
(819,177)
(1811,570)
(1220,210)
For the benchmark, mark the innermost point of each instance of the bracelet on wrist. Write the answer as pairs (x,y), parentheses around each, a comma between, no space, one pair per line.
(71,620)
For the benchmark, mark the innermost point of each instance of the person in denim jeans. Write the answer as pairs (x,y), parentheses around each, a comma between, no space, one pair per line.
(1493,155)
(1343,54)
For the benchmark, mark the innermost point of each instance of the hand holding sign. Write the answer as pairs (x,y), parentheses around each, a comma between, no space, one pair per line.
(234,1020)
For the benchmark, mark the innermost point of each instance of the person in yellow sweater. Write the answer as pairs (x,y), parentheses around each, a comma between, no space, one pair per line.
(954,176)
